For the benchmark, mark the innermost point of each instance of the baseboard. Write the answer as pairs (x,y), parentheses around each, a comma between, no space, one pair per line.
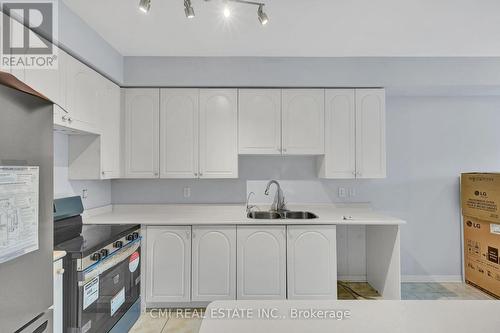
(432,278)
(352,278)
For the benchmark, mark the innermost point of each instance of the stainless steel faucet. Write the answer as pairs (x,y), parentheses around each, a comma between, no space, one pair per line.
(278,204)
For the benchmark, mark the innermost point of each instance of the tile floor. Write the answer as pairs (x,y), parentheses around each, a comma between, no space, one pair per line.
(154,323)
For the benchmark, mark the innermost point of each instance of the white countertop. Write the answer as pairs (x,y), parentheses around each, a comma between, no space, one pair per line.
(215,214)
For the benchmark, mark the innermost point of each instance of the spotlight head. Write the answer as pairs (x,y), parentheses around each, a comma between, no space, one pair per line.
(227,12)
(188,9)
(263,19)
(145,6)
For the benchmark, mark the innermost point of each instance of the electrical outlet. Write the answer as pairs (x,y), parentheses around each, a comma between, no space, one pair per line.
(187,192)
(85,193)
(342,192)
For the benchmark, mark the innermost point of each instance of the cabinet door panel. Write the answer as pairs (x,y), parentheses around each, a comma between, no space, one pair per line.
(303,121)
(168,264)
(259,121)
(142,112)
(82,92)
(214,263)
(261,262)
(218,133)
(370,133)
(179,133)
(110,120)
(340,134)
(312,263)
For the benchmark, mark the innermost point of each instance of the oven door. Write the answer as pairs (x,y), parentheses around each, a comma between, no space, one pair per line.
(108,289)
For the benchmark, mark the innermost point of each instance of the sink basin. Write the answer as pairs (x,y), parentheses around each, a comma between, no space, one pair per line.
(264,215)
(283,215)
(299,215)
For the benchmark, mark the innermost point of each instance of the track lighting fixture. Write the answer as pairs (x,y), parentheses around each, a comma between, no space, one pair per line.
(144,6)
(188,9)
(263,19)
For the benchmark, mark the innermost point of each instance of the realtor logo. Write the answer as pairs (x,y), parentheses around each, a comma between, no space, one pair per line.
(28,27)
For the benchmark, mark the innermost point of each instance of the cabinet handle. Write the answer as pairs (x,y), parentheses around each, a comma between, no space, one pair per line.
(354,173)
(201,173)
(196,174)
(358,174)
(188,234)
(60,271)
(194,235)
(70,120)
(284,150)
(64,118)
(156,173)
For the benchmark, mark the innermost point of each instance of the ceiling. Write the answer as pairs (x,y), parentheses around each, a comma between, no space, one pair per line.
(313,28)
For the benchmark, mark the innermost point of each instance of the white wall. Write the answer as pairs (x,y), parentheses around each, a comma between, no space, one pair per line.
(99,192)
(430,141)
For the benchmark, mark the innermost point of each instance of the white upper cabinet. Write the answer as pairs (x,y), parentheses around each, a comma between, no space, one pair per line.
(179,117)
(213,263)
(303,127)
(312,262)
(82,93)
(168,267)
(110,124)
(370,133)
(355,134)
(259,121)
(218,133)
(340,134)
(261,262)
(142,130)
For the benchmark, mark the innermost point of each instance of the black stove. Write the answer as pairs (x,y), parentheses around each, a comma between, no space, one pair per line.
(93,237)
(102,272)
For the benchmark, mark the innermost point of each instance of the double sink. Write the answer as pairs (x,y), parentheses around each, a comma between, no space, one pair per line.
(270,215)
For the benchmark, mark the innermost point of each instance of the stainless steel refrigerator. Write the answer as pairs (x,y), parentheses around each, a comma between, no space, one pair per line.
(26,282)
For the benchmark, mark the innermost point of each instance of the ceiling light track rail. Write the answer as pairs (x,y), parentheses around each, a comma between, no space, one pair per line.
(145,7)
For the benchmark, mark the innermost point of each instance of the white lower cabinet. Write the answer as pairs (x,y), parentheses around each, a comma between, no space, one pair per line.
(214,263)
(312,262)
(261,262)
(168,267)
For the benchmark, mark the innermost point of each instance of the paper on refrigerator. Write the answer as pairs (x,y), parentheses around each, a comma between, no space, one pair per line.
(19,204)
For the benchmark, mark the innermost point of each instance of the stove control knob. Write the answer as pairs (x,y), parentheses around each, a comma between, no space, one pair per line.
(118,244)
(130,237)
(95,256)
(104,252)
(136,235)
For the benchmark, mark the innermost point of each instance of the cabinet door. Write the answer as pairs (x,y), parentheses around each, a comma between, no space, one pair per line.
(110,122)
(168,269)
(82,92)
(214,263)
(312,263)
(259,121)
(179,133)
(142,114)
(261,263)
(303,121)
(218,133)
(370,133)
(340,134)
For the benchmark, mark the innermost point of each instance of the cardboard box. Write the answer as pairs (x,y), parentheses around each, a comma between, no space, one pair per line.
(482,246)
(480,195)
